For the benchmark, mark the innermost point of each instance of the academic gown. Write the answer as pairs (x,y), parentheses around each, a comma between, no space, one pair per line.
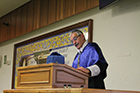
(91,55)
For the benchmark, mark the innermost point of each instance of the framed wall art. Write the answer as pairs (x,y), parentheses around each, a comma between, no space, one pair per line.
(55,41)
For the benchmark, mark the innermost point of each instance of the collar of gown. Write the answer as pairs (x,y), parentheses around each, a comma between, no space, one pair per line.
(82,48)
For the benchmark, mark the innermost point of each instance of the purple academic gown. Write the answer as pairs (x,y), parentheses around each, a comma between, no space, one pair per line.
(91,55)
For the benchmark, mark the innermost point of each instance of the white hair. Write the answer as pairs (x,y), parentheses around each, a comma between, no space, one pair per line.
(78,32)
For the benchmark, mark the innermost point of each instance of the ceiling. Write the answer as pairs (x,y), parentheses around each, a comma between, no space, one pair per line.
(7,6)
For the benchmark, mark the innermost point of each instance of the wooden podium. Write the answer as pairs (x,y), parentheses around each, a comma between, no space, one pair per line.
(50,76)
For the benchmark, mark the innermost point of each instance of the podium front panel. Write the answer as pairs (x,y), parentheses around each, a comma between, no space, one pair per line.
(50,76)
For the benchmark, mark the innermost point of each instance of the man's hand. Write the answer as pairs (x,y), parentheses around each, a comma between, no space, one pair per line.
(84,70)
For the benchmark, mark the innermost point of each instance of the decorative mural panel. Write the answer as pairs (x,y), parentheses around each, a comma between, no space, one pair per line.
(59,42)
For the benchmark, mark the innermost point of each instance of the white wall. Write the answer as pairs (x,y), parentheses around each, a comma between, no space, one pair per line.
(116,29)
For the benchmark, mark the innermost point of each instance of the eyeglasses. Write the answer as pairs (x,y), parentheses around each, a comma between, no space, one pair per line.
(75,38)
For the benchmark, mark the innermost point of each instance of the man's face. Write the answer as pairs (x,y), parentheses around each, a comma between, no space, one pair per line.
(77,40)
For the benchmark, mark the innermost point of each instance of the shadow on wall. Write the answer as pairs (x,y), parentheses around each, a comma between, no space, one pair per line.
(125,6)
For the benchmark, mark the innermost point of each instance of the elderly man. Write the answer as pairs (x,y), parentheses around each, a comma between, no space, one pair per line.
(89,59)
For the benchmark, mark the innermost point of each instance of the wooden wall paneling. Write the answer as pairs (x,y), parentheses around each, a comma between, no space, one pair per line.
(18,22)
(52,11)
(60,9)
(1,30)
(92,3)
(13,25)
(39,13)
(44,13)
(5,29)
(80,6)
(23,19)
(30,14)
(8,28)
(69,9)
(36,23)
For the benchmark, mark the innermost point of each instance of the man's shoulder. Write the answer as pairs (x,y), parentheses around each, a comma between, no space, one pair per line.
(92,44)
